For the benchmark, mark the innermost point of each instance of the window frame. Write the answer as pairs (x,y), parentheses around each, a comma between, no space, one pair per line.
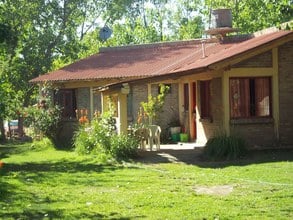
(57,99)
(252,116)
(205,99)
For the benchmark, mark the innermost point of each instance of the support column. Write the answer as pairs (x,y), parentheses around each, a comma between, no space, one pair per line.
(275,92)
(149,89)
(122,113)
(91,103)
(180,101)
(103,103)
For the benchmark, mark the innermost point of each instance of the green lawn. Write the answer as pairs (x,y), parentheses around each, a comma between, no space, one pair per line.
(42,183)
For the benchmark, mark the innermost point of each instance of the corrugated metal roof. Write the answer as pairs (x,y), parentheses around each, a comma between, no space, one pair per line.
(140,61)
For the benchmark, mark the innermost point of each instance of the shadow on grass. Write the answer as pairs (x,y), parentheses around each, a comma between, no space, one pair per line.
(196,157)
(62,166)
(33,214)
(4,189)
(59,214)
(9,149)
(31,173)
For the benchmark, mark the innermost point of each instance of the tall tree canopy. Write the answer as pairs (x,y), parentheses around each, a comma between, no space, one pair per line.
(253,15)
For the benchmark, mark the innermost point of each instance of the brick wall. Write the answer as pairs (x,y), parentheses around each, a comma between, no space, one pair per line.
(83,98)
(255,133)
(261,60)
(139,94)
(286,93)
(170,111)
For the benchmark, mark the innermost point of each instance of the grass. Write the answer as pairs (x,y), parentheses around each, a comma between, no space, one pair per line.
(42,183)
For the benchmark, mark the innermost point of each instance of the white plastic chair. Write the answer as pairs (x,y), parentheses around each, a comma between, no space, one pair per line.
(154,136)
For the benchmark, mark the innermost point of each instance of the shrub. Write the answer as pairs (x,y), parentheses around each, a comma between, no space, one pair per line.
(124,146)
(94,137)
(225,147)
(100,138)
(44,120)
(44,117)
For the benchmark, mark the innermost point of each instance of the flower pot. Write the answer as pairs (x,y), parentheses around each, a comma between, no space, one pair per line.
(183,137)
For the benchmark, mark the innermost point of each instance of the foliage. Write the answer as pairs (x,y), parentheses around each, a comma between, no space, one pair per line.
(225,147)
(155,104)
(42,36)
(100,138)
(9,101)
(43,120)
(254,15)
(45,116)
(133,32)
(124,146)
(95,137)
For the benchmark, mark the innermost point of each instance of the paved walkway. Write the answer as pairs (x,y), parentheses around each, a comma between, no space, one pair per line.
(188,153)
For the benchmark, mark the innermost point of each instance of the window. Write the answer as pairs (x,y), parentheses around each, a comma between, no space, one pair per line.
(205,98)
(250,97)
(66,99)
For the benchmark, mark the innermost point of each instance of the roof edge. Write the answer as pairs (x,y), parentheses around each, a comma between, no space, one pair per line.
(160,44)
(260,49)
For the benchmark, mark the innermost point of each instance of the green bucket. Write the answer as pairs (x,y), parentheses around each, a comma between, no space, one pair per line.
(183,137)
(175,137)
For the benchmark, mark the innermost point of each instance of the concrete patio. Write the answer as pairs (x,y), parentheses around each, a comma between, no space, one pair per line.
(188,153)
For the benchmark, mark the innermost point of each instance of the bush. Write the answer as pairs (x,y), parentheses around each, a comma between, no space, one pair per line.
(124,146)
(44,120)
(44,117)
(225,147)
(93,138)
(100,138)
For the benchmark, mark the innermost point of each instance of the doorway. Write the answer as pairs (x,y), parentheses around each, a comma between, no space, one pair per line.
(189,104)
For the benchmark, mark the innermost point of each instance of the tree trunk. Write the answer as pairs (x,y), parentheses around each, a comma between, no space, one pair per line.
(20,127)
(2,131)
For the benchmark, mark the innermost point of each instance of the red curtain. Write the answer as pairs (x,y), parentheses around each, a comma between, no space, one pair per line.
(262,96)
(239,98)
(205,97)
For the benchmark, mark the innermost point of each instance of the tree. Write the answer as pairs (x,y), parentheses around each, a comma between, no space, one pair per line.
(8,97)
(37,36)
(253,15)
(155,103)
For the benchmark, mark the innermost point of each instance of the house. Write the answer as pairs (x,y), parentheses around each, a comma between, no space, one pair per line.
(238,85)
